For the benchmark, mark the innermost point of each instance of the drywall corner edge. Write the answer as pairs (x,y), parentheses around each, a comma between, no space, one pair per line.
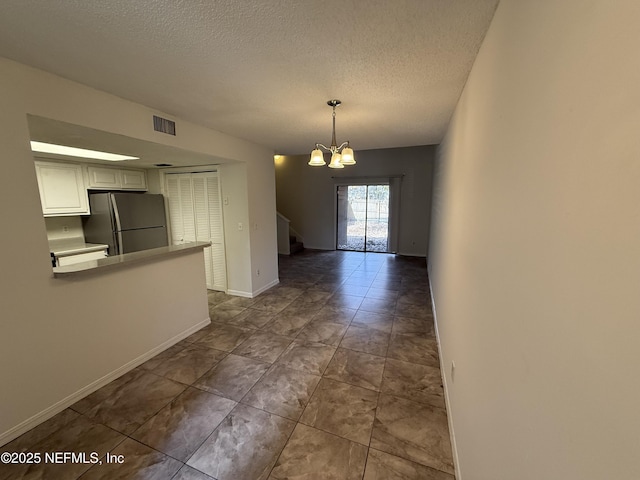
(266,287)
(255,293)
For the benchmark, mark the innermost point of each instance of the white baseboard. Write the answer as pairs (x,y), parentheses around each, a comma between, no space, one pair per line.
(240,293)
(57,407)
(313,247)
(452,434)
(412,254)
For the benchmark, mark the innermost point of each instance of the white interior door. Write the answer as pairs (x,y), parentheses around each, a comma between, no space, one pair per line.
(195,214)
(180,204)
(216,232)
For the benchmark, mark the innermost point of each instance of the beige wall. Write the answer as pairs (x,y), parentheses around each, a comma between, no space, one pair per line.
(64,227)
(535,246)
(57,337)
(306,195)
(261,186)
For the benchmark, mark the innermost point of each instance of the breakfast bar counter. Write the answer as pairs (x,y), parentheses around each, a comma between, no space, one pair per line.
(117,261)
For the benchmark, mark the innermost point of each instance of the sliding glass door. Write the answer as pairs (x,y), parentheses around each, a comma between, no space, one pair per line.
(363,218)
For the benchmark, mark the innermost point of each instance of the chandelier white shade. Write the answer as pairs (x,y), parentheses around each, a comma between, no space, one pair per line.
(347,156)
(317,158)
(340,155)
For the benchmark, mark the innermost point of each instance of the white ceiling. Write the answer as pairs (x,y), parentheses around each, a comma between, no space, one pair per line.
(263,70)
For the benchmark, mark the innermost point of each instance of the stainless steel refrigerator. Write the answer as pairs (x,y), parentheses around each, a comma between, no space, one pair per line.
(127,222)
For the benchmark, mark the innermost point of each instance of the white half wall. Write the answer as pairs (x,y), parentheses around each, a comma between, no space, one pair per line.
(535,246)
(306,195)
(58,336)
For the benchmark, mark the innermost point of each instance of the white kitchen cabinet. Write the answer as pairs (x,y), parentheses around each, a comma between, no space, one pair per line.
(62,189)
(133,179)
(106,178)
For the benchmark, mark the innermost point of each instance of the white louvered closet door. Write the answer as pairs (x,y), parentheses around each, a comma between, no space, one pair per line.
(186,210)
(180,202)
(216,231)
(172,192)
(195,214)
(208,214)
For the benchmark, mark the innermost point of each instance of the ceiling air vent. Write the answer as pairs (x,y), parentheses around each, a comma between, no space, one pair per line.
(163,125)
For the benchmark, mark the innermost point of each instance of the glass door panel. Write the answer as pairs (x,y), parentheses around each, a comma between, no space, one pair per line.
(377,223)
(352,204)
(363,218)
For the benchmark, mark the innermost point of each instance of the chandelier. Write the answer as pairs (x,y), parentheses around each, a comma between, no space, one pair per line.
(340,156)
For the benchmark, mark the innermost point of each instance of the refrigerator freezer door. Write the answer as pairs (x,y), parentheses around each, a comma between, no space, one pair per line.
(142,239)
(138,210)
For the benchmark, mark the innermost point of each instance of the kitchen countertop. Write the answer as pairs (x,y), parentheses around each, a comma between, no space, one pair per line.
(73,246)
(128,259)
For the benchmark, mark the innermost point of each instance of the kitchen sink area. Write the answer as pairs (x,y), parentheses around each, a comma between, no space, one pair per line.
(67,244)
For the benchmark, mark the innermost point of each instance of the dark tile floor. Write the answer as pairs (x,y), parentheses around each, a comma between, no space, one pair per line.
(332,374)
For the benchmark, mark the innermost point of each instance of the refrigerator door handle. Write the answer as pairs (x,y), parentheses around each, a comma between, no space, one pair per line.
(116,214)
(120,252)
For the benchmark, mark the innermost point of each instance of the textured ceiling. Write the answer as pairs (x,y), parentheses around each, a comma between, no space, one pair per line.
(263,70)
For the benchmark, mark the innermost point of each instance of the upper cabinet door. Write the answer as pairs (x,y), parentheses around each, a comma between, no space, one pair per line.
(62,189)
(109,178)
(133,179)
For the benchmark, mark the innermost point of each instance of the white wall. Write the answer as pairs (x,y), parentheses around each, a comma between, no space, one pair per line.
(306,195)
(153,181)
(535,246)
(64,227)
(233,180)
(57,336)
(261,186)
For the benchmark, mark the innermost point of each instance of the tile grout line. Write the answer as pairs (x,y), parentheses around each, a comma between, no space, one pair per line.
(328,270)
